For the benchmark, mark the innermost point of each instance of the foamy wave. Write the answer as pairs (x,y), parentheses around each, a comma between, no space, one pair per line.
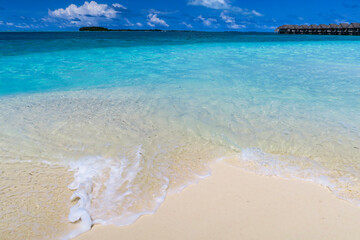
(284,166)
(119,191)
(292,167)
(107,191)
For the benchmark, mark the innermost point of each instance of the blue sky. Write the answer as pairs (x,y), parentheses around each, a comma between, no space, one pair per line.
(208,15)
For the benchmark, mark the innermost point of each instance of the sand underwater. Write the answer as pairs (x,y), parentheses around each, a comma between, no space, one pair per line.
(98,128)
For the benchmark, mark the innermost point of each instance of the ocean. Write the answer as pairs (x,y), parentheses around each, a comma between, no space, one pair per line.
(98,127)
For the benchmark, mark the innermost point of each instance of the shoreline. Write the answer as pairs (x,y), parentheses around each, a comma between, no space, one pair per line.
(155,114)
(235,204)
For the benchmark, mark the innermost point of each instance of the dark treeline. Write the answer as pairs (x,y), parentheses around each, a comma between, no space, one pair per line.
(104,29)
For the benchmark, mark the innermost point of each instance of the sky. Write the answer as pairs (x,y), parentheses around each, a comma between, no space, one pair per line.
(204,15)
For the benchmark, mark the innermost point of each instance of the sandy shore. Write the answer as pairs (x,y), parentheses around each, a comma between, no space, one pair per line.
(233,204)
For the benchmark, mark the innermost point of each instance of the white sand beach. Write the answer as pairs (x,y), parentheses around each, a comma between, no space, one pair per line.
(233,204)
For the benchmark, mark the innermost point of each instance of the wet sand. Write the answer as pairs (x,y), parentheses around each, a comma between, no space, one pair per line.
(233,204)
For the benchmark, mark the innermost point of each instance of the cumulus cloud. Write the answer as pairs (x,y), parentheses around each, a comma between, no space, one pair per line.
(88,9)
(90,13)
(153,20)
(214,4)
(231,23)
(206,21)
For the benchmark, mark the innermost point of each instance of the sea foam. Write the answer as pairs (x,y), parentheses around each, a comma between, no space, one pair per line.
(294,167)
(113,191)
(107,191)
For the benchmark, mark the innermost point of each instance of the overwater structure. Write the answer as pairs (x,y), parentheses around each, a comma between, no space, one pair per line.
(321,29)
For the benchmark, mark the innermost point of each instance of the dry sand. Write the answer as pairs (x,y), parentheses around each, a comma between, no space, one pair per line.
(233,204)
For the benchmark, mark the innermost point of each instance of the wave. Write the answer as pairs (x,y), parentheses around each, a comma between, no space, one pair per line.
(119,191)
(110,191)
(344,184)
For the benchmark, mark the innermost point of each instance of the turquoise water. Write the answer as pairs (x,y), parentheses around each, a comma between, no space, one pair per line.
(36,62)
(134,116)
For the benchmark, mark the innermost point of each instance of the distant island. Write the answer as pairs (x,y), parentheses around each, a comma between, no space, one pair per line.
(104,29)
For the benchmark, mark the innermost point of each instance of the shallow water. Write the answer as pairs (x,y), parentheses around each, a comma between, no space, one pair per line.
(132,116)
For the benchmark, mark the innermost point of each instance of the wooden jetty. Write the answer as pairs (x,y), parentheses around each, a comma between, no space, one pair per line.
(321,29)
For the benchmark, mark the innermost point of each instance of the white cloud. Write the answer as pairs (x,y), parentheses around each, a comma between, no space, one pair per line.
(154,20)
(130,24)
(266,27)
(118,5)
(338,21)
(257,14)
(17,25)
(90,13)
(22,25)
(215,4)
(231,23)
(154,11)
(188,25)
(224,5)
(88,9)
(246,12)
(206,21)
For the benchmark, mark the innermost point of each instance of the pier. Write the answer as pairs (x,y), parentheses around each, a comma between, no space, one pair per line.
(321,29)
